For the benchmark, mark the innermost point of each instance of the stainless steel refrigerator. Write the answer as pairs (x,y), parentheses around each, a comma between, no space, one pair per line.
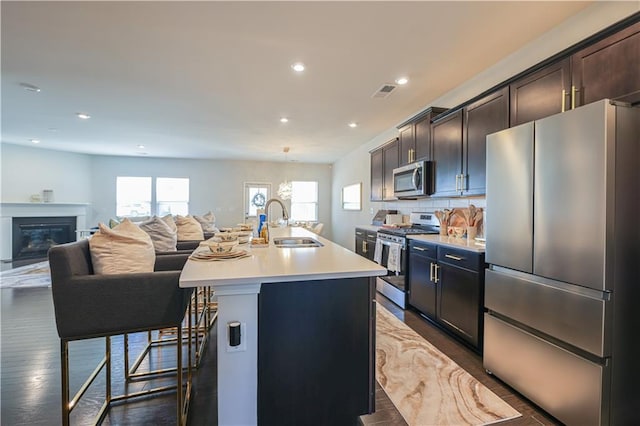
(562,293)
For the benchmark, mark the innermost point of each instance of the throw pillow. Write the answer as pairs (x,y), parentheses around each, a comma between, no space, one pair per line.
(163,237)
(207,221)
(188,229)
(121,250)
(169,220)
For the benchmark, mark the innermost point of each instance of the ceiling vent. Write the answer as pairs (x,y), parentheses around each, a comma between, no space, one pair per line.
(384,91)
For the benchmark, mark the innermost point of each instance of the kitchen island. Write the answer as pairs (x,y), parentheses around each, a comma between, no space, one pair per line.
(307,315)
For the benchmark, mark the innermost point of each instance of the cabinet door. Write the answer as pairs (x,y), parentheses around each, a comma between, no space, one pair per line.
(459,301)
(609,68)
(422,289)
(407,144)
(485,116)
(422,132)
(390,161)
(447,154)
(540,94)
(377,175)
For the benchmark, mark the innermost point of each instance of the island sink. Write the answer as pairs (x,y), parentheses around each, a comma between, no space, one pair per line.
(295,242)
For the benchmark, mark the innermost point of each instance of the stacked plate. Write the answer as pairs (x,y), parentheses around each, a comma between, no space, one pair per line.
(218,254)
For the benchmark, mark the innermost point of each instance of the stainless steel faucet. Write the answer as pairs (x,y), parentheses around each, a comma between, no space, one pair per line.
(285,214)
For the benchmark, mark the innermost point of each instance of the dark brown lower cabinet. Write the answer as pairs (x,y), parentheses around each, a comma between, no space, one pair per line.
(365,243)
(316,352)
(422,285)
(447,286)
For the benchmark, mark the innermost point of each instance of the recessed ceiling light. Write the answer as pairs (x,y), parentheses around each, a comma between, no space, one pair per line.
(83,115)
(140,146)
(402,80)
(298,67)
(35,141)
(284,120)
(30,87)
(353,124)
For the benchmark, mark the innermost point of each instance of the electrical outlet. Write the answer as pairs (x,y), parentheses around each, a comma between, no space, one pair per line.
(242,347)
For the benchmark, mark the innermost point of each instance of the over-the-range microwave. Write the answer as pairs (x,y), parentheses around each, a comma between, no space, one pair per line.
(413,180)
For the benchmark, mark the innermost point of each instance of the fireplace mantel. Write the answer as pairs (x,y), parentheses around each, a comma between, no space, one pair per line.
(9,210)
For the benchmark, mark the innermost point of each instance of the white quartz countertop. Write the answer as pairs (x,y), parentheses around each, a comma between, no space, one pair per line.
(274,264)
(461,243)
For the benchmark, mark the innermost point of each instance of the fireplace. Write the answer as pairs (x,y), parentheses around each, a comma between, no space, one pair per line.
(33,236)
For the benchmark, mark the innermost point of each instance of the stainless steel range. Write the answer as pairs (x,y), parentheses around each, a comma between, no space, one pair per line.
(391,245)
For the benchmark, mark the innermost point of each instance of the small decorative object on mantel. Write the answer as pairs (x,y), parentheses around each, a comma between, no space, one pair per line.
(47,195)
(35,198)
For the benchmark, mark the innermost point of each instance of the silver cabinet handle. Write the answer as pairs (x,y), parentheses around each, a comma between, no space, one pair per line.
(564,97)
(431,265)
(573,97)
(419,248)
(364,247)
(450,256)
(359,233)
(435,273)
(457,178)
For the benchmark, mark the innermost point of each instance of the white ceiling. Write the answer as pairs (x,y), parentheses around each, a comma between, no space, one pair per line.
(212,79)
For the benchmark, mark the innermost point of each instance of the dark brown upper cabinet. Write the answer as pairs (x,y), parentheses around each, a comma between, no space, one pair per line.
(542,93)
(407,144)
(609,68)
(390,155)
(383,160)
(485,116)
(446,137)
(377,174)
(414,136)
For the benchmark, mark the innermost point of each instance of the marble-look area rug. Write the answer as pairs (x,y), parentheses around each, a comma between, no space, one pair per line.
(34,275)
(425,385)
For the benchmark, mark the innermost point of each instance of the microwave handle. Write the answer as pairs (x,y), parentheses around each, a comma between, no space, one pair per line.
(414,179)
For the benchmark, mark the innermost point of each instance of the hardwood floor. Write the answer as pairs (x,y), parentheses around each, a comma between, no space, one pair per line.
(30,372)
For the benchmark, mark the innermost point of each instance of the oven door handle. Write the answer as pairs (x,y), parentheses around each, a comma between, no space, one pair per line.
(390,243)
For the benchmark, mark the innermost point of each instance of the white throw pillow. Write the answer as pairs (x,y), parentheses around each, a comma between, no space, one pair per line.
(121,250)
(164,238)
(207,221)
(189,229)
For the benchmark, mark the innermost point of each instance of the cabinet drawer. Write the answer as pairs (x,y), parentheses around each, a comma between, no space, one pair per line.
(460,258)
(423,249)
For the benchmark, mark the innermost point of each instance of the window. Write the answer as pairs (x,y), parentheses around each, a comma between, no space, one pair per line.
(172,196)
(304,201)
(135,196)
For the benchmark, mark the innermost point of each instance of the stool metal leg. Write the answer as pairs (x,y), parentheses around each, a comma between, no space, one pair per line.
(64,364)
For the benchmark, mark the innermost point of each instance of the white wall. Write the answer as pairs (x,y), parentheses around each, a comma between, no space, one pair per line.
(27,171)
(216,185)
(355,166)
